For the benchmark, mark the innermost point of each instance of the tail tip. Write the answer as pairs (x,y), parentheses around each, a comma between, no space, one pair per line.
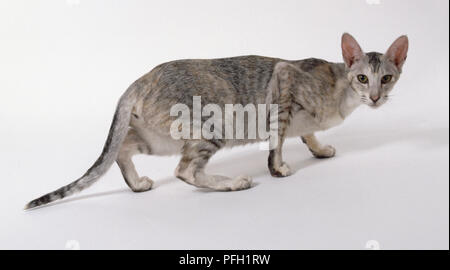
(30,205)
(48,198)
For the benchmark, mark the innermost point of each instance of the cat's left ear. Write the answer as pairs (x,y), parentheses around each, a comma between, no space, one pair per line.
(398,51)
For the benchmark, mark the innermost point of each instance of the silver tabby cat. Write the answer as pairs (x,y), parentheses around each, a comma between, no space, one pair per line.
(312,95)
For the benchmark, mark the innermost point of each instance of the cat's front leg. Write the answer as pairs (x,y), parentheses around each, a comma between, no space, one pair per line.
(280,89)
(277,167)
(318,150)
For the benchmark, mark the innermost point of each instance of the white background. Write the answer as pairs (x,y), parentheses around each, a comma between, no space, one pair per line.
(64,64)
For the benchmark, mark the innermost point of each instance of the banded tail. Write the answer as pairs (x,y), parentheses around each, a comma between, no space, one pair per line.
(117,133)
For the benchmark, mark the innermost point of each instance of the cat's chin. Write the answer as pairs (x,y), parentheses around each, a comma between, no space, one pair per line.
(374,106)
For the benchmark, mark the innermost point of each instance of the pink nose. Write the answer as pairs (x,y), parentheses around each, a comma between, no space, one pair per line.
(375,98)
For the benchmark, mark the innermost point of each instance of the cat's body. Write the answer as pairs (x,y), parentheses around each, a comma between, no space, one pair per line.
(248,75)
(312,95)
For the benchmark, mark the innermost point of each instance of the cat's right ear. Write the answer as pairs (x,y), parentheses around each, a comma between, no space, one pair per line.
(351,51)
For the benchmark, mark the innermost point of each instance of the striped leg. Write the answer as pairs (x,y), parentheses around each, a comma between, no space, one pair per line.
(318,150)
(277,167)
(281,91)
(195,155)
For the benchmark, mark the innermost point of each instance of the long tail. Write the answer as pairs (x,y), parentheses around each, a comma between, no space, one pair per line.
(117,133)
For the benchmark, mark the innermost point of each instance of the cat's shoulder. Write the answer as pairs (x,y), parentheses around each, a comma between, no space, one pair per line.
(310,64)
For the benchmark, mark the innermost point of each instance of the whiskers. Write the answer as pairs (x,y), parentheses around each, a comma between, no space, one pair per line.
(384,98)
(387,97)
(363,99)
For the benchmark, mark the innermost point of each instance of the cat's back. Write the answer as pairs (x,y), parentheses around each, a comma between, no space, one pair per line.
(321,69)
(242,72)
(234,80)
(221,65)
(241,79)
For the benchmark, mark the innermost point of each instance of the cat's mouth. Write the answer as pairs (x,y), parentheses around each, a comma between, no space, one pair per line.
(375,105)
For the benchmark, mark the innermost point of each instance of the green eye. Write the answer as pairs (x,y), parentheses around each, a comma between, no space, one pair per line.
(363,78)
(386,79)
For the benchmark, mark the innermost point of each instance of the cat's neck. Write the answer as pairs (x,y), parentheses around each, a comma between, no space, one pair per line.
(350,100)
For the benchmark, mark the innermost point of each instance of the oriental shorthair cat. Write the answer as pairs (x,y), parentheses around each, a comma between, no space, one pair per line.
(311,95)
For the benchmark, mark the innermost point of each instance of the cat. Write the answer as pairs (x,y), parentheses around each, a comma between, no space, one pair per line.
(312,95)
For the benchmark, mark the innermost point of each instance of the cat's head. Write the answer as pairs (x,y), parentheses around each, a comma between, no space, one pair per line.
(373,75)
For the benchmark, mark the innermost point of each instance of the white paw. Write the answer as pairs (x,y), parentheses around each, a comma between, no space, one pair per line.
(284,170)
(241,182)
(328,151)
(144,184)
(325,152)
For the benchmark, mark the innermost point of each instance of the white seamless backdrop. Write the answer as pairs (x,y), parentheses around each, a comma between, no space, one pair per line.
(64,64)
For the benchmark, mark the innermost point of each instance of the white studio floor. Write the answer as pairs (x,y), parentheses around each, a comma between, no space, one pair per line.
(388,183)
(64,65)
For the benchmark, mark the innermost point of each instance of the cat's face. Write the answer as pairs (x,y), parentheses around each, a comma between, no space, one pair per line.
(373,78)
(373,75)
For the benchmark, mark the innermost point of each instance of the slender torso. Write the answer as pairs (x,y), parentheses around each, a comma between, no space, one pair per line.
(239,80)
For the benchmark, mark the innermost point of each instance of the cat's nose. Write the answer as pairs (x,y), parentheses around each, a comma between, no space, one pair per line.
(375,98)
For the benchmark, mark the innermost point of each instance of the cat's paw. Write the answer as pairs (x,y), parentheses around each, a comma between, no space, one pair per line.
(281,171)
(144,184)
(241,182)
(327,151)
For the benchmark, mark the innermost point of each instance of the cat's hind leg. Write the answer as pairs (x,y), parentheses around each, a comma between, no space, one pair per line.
(195,155)
(131,146)
(318,150)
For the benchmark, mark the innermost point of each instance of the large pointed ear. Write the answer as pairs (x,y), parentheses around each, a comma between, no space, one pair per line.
(397,52)
(351,51)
